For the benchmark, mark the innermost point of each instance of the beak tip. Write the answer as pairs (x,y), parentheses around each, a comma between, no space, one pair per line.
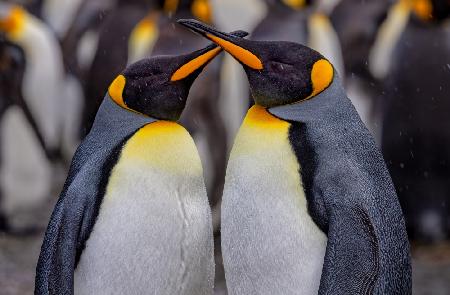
(194,25)
(188,22)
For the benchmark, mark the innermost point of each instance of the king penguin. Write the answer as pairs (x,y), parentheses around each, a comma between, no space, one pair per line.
(26,170)
(308,204)
(133,215)
(12,61)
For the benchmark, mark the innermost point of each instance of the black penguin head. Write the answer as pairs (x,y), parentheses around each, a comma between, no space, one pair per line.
(279,73)
(159,86)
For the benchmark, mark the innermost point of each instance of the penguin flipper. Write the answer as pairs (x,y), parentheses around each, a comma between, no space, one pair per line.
(351,264)
(70,225)
(54,271)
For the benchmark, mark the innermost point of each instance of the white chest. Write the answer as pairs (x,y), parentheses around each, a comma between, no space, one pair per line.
(153,234)
(270,243)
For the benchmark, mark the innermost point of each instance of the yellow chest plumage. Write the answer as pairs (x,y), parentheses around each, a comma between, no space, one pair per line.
(163,145)
(263,135)
(154,229)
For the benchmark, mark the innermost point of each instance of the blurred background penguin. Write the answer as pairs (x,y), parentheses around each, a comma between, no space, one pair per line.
(301,21)
(47,106)
(391,54)
(411,58)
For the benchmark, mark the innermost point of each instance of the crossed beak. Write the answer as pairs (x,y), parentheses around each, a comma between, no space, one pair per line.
(230,43)
(201,58)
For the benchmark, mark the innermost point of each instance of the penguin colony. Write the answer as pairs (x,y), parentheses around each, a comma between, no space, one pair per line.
(308,204)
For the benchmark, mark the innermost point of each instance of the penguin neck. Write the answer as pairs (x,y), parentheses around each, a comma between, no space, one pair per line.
(329,102)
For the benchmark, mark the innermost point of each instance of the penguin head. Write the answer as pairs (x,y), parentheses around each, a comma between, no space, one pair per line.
(159,86)
(279,73)
(200,9)
(12,20)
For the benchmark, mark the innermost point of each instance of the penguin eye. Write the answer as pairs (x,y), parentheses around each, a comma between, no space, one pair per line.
(279,67)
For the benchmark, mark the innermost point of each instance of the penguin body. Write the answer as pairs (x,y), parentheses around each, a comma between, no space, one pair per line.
(339,210)
(42,78)
(350,196)
(263,169)
(30,129)
(133,215)
(170,157)
(12,59)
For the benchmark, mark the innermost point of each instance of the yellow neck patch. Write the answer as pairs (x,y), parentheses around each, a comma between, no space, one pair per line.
(193,65)
(258,116)
(321,76)
(201,9)
(260,133)
(165,146)
(295,4)
(116,91)
(241,54)
(13,24)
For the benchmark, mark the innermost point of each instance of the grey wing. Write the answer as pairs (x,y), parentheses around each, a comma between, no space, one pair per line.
(54,272)
(351,264)
(74,217)
(68,230)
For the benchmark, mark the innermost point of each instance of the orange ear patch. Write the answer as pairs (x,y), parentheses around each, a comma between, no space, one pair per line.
(321,76)
(193,65)
(241,54)
(116,90)
(14,22)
